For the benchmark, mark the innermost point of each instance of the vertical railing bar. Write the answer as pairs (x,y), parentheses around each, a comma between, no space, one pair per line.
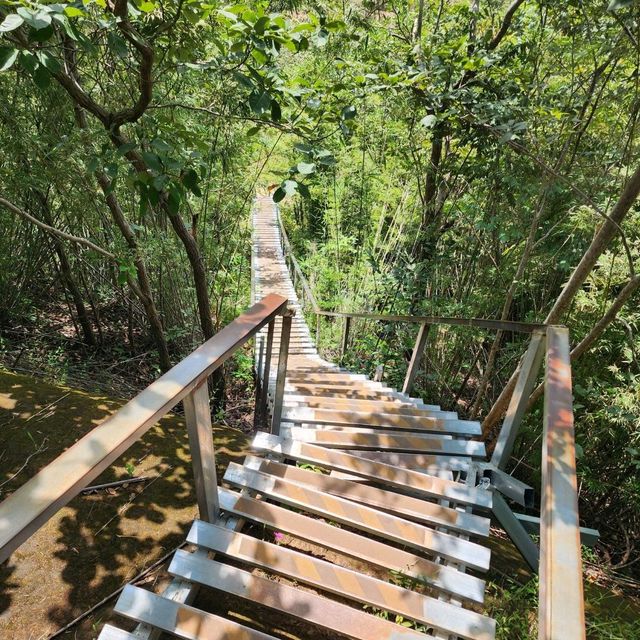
(198,418)
(518,404)
(283,355)
(345,336)
(561,598)
(260,341)
(266,374)
(416,357)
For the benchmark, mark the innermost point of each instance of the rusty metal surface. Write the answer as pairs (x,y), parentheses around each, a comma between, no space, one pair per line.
(360,517)
(561,613)
(401,479)
(409,507)
(428,443)
(355,545)
(290,601)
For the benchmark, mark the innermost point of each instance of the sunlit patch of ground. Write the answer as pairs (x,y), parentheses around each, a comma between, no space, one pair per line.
(99,541)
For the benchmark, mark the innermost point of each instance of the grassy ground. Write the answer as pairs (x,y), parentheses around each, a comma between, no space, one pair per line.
(98,542)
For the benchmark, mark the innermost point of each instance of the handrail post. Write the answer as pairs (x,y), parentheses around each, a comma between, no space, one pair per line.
(264,390)
(518,404)
(198,417)
(416,357)
(278,396)
(259,344)
(345,336)
(561,608)
(318,332)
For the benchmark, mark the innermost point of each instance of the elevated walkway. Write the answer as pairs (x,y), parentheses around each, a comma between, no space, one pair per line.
(360,510)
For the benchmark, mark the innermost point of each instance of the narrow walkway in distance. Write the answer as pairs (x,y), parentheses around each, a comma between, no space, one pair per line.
(377,447)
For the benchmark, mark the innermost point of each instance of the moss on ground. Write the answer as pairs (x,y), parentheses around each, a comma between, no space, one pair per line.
(99,541)
(512,599)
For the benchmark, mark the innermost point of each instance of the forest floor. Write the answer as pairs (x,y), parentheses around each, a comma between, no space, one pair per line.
(100,541)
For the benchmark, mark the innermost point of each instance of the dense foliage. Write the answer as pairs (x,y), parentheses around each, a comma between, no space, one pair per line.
(438,158)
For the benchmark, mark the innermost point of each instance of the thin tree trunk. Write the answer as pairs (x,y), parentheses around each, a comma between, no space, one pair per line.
(597,247)
(67,275)
(598,329)
(155,323)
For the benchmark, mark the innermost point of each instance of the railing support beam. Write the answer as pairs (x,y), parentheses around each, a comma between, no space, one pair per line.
(416,357)
(264,389)
(283,355)
(519,536)
(346,327)
(198,417)
(518,404)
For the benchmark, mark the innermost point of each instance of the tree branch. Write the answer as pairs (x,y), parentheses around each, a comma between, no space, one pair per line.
(56,232)
(504,27)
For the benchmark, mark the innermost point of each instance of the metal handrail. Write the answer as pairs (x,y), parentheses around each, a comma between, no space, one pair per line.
(28,508)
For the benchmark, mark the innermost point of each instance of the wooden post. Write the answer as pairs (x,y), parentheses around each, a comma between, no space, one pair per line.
(264,390)
(282,371)
(345,336)
(518,404)
(416,357)
(198,416)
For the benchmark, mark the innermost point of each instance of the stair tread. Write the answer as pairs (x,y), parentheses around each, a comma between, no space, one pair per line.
(342,581)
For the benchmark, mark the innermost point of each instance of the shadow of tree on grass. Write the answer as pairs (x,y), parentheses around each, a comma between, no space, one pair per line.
(98,541)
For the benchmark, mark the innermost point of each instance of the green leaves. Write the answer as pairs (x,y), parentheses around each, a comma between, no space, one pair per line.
(428,122)
(125,271)
(616,5)
(11,22)
(260,102)
(48,61)
(190,180)
(348,113)
(35,19)
(7,57)
(117,45)
(305,168)
(287,188)
(153,161)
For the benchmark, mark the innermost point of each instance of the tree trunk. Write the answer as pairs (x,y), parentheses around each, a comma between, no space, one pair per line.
(146,297)
(67,275)
(597,247)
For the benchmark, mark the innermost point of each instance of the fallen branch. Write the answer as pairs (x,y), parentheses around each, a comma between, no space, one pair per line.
(117,483)
(104,601)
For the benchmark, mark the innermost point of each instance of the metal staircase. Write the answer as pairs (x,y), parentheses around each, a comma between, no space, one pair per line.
(385,491)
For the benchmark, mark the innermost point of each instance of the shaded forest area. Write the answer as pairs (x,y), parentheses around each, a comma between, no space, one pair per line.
(462,158)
